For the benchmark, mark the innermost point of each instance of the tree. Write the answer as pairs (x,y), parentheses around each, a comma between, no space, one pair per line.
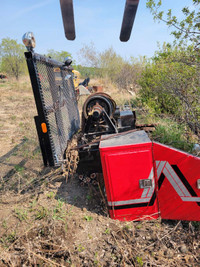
(59,56)
(12,57)
(89,56)
(187,29)
(111,63)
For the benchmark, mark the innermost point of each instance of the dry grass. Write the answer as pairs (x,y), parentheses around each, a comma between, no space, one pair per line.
(17,108)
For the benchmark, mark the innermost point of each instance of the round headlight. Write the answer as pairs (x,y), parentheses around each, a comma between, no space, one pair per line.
(29,40)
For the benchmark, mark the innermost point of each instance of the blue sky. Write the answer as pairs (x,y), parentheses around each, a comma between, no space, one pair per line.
(97,21)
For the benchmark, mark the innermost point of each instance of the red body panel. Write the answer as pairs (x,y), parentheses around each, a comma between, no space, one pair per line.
(177,175)
(174,192)
(123,167)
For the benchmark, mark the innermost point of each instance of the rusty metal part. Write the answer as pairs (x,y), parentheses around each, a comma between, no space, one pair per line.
(80,177)
(93,175)
(98,115)
(103,99)
(91,179)
(97,89)
(98,139)
(96,111)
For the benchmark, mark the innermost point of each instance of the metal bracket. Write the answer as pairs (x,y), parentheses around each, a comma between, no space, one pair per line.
(145,183)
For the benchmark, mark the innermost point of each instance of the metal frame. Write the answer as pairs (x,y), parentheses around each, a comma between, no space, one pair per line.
(44,139)
(52,144)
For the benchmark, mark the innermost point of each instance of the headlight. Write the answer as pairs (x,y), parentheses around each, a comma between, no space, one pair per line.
(29,41)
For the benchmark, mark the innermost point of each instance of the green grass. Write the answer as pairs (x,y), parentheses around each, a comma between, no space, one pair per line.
(171,133)
(107,231)
(59,211)
(50,195)
(168,131)
(21,214)
(88,218)
(19,168)
(139,261)
(41,213)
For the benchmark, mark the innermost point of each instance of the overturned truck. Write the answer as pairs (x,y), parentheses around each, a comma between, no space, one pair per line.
(143,179)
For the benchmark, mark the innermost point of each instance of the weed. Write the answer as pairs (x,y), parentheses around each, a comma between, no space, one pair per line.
(19,168)
(21,214)
(127,226)
(58,212)
(139,226)
(10,238)
(96,261)
(80,248)
(32,205)
(60,204)
(88,218)
(41,213)
(107,231)
(36,153)
(89,236)
(25,138)
(50,195)
(13,118)
(89,197)
(4,224)
(139,261)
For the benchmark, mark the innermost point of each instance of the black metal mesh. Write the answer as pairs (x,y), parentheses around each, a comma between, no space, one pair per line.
(59,102)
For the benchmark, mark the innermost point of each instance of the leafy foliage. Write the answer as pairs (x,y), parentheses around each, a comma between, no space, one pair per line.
(88,71)
(59,56)
(187,29)
(12,57)
(110,65)
(170,84)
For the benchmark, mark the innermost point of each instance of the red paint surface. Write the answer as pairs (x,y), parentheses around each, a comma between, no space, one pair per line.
(123,167)
(171,205)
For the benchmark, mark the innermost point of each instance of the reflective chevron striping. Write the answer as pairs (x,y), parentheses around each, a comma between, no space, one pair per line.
(164,170)
(163,167)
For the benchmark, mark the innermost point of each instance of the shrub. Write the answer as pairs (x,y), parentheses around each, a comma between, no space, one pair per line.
(170,84)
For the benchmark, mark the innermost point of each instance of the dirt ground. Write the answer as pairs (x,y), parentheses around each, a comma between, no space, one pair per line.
(48,221)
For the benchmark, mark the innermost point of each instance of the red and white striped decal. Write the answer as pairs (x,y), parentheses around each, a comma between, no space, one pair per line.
(163,167)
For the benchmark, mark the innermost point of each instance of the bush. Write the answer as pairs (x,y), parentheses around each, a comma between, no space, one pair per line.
(170,84)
